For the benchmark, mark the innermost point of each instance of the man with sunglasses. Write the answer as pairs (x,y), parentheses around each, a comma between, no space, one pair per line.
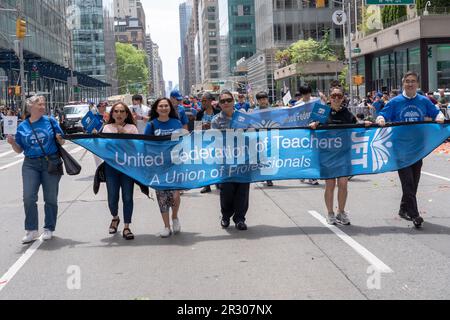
(410,107)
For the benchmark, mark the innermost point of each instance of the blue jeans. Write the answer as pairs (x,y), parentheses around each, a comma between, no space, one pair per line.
(115,180)
(35,174)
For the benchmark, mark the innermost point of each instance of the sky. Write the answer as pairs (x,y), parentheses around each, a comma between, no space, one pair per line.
(162,18)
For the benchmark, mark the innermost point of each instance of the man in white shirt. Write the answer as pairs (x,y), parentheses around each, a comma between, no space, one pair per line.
(141,113)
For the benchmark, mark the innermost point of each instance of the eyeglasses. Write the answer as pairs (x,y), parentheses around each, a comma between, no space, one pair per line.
(336,96)
(119,111)
(229,100)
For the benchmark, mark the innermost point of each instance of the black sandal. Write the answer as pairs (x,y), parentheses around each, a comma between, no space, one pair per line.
(113,226)
(127,235)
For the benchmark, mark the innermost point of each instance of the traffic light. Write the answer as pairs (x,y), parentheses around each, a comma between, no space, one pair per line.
(17,90)
(320,3)
(21,28)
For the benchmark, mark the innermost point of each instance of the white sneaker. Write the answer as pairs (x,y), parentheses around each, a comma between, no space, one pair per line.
(343,219)
(30,236)
(47,234)
(176,227)
(165,233)
(331,219)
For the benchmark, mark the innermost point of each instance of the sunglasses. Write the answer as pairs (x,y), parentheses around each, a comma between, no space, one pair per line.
(229,100)
(336,96)
(119,111)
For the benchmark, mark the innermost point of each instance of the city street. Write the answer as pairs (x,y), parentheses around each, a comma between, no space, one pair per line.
(288,252)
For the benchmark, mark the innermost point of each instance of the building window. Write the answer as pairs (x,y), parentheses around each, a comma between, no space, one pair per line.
(414,60)
(289,32)
(211,25)
(213,42)
(212,50)
(277,32)
(212,9)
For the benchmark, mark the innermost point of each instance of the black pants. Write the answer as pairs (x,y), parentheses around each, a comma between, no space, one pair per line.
(409,178)
(234,200)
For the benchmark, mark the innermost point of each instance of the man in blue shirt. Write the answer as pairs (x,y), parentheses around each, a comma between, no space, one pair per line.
(176,98)
(378,103)
(410,107)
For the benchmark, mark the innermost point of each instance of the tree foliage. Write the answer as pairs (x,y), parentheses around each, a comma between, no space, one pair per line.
(392,13)
(306,51)
(132,70)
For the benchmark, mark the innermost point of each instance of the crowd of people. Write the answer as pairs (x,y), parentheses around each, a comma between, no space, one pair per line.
(172,114)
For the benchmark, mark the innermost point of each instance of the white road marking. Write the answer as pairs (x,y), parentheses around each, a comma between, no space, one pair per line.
(11,164)
(435,176)
(366,254)
(7,277)
(78,149)
(6,153)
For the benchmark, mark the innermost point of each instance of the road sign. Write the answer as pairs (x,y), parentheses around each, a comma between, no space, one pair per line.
(339,17)
(356,50)
(3,78)
(390,2)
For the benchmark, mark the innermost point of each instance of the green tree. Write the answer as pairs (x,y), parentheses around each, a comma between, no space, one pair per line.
(132,69)
(392,13)
(306,51)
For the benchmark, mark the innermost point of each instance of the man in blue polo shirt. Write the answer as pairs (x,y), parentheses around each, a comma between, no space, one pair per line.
(242,103)
(176,98)
(410,107)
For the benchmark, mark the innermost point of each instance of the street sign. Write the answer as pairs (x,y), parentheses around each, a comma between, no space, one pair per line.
(390,2)
(356,50)
(339,17)
(3,78)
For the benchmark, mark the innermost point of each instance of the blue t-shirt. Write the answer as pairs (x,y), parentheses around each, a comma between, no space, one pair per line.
(402,109)
(26,139)
(160,128)
(239,106)
(183,117)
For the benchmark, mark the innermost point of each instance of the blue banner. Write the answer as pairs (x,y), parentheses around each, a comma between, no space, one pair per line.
(213,156)
(283,117)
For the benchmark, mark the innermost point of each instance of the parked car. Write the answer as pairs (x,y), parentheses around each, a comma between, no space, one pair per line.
(72,117)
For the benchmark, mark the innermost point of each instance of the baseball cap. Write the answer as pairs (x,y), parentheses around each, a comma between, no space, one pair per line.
(379,95)
(176,94)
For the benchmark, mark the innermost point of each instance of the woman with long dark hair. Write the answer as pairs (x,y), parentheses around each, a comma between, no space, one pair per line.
(164,121)
(120,121)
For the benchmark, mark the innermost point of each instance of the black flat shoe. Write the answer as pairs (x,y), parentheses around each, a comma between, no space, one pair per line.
(113,226)
(127,234)
(241,226)
(225,223)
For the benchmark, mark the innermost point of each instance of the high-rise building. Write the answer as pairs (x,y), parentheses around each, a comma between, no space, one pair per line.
(239,18)
(158,78)
(130,23)
(110,46)
(185,10)
(192,49)
(125,8)
(280,23)
(47,50)
(208,15)
(151,71)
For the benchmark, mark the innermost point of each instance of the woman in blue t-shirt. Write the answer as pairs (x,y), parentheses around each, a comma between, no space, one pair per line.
(163,122)
(36,137)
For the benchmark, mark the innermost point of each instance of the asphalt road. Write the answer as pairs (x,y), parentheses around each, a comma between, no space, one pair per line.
(287,252)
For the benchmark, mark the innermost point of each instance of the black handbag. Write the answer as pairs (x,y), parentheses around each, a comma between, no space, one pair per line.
(54,166)
(72,166)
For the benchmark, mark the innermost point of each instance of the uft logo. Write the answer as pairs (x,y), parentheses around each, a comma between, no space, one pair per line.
(378,146)
(265,124)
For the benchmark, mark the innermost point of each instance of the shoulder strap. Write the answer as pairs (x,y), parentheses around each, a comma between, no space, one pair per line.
(37,139)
